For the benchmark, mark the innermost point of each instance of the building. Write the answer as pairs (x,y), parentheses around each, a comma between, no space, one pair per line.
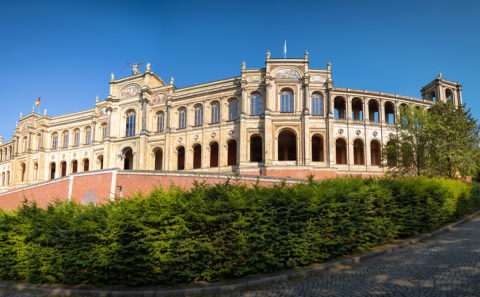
(283,120)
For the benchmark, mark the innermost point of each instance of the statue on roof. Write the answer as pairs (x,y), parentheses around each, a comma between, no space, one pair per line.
(135,67)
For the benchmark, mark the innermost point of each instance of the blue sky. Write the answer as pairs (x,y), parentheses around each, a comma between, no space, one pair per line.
(66,50)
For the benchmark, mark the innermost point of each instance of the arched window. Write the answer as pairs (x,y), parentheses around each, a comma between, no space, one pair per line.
(449,95)
(180,158)
(54,142)
(287,146)
(86,165)
(317,148)
(53,167)
(65,139)
(88,135)
(433,96)
(389,112)
(317,104)
(358,152)
(197,156)
(100,162)
(357,109)
(35,171)
(215,112)
(127,159)
(214,154)
(76,137)
(339,106)
(160,121)
(375,152)
(256,150)
(256,104)
(198,115)
(24,144)
(373,111)
(232,152)
(130,125)
(286,101)
(8,178)
(182,118)
(74,166)
(233,110)
(341,151)
(23,170)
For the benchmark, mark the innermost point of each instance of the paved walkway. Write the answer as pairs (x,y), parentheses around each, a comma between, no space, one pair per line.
(447,265)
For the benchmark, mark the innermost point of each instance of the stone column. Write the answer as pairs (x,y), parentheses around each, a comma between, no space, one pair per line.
(167,129)
(144,102)
(366,112)
(94,132)
(109,121)
(242,146)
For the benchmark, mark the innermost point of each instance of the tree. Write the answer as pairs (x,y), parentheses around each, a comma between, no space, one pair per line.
(441,142)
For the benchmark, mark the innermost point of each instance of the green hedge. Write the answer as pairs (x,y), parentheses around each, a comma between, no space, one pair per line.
(221,232)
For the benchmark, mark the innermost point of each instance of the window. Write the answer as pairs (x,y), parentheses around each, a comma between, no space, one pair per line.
(339,108)
(256,104)
(104,131)
(317,104)
(130,126)
(286,101)
(233,110)
(215,112)
(77,138)
(198,115)
(160,120)
(54,142)
(182,118)
(65,139)
(88,135)
(256,151)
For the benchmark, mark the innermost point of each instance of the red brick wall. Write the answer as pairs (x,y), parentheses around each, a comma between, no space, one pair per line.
(43,195)
(99,183)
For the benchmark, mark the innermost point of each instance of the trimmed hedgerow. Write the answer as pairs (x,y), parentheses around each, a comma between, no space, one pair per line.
(220,232)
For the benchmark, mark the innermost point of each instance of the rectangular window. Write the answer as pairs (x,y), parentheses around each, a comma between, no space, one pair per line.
(182,120)
(104,132)
(233,110)
(88,136)
(256,104)
(54,142)
(77,138)
(317,105)
(216,113)
(160,123)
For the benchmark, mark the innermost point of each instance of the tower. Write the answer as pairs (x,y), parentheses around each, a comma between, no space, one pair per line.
(441,89)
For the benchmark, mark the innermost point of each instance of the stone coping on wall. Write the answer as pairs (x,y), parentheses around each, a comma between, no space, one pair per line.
(206,175)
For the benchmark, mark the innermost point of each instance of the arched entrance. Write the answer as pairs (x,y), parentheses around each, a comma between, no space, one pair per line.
(256,150)
(197,156)
(358,152)
(64,168)
(158,159)
(341,151)
(128,159)
(232,152)
(375,152)
(74,166)
(214,154)
(287,146)
(180,158)
(53,166)
(86,165)
(317,148)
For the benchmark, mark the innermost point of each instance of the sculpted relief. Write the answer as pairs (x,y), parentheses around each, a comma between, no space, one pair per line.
(130,91)
(160,99)
(287,73)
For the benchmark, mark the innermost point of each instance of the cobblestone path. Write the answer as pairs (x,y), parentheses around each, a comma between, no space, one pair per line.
(446,265)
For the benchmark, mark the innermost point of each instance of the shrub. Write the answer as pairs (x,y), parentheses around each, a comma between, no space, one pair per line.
(219,232)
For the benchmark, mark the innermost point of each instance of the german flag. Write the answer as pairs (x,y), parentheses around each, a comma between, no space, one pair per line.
(37,103)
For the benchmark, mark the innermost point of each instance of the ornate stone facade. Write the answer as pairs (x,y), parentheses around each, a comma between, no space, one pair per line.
(282,120)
